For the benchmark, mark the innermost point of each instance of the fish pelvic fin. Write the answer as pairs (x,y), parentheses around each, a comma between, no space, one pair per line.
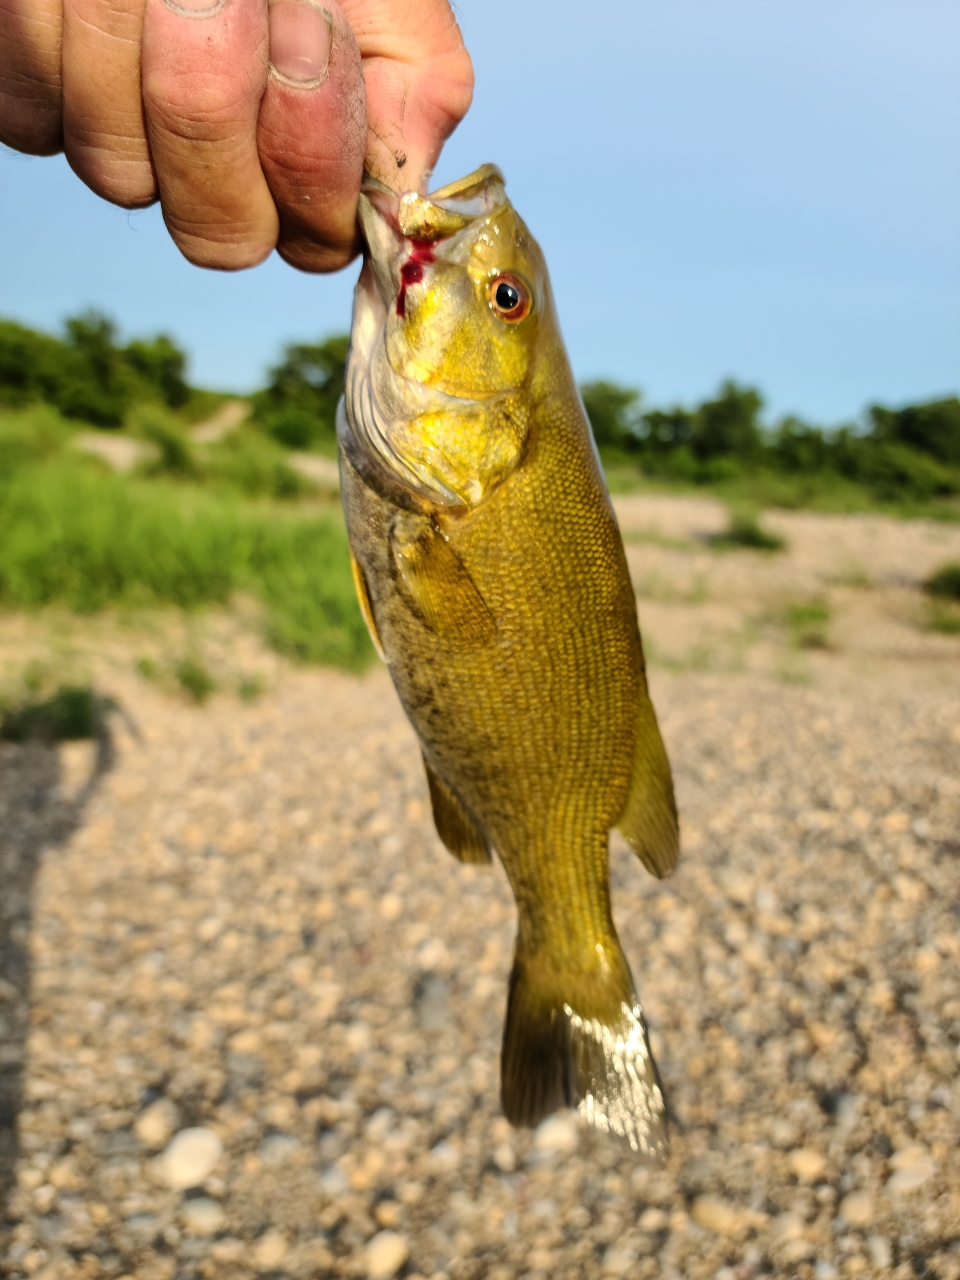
(580,1041)
(460,833)
(366,608)
(649,818)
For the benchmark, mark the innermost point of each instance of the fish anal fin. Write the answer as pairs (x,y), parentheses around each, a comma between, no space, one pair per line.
(649,818)
(579,1040)
(455,827)
(366,609)
(437,584)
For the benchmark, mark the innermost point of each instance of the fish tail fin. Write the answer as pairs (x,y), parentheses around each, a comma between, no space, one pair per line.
(578,1039)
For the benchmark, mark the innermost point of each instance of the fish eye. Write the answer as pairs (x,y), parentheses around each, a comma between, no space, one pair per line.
(509,297)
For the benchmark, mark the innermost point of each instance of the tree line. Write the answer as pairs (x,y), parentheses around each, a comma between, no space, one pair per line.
(89,375)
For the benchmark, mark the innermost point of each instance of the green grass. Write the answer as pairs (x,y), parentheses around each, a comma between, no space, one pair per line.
(824,492)
(73,534)
(745,530)
(945,583)
(195,680)
(807,622)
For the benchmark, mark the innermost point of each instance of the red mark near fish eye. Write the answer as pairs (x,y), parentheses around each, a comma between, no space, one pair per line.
(421,251)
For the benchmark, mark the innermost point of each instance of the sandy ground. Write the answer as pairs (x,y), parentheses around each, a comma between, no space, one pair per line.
(250,1009)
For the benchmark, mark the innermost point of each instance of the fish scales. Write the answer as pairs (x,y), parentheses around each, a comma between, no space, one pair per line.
(492,574)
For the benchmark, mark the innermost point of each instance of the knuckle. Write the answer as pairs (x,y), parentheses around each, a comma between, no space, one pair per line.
(116,166)
(224,247)
(199,108)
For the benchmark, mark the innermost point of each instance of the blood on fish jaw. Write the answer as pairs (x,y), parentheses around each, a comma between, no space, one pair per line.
(421,252)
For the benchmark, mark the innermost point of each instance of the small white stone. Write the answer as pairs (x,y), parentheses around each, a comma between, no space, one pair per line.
(652,1220)
(270,1251)
(716,1214)
(619,1258)
(857,1208)
(391,906)
(358,1037)
(444,1157)
(190,1158)
(386,1254)
(807,1164)
(558,1135)
(880,1251)
(154,1125)
(433,955)
(914,1166)
(277,1149)
(204,1217)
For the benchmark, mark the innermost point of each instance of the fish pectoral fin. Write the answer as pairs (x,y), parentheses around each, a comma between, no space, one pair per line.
(649,818)
(363,596)
(436,583)
(455,827)
(576,1038)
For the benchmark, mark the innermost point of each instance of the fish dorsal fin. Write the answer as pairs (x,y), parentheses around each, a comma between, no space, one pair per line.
(649,818)
(436,583)
(456,828)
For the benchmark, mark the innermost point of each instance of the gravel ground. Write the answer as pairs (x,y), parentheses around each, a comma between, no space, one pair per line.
(250,1009)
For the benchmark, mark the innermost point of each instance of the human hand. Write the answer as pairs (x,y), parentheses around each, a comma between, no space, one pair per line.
(250,122)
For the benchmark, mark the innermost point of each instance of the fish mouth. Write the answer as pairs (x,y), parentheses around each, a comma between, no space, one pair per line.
(404,233)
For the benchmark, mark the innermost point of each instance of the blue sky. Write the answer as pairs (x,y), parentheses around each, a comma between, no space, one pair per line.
(762,189)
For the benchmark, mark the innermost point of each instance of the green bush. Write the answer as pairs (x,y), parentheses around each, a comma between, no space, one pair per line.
(253,465)
(175,453)
(33,435)
(614,416)
(932,428)
(298,407)
(945,583)
(87,375)
(195,680)
(744,530)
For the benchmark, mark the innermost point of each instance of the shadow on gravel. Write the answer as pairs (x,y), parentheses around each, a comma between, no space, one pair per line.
(34,815)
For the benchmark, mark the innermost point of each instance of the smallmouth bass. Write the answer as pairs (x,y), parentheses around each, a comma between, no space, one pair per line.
(492,576)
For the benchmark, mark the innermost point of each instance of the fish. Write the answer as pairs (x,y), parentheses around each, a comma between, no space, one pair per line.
(491,574)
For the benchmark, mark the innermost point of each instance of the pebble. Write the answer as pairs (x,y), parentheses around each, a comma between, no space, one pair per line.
(716,1214)
(190,1158)
(880,1251)
(807,1164)
(386,1253)
(155,1125)
(857,1208)
(914,1166)
(203,1216)
(558,1134)
(278,1149)
(270,1250)
(619,1259)
(652,1220)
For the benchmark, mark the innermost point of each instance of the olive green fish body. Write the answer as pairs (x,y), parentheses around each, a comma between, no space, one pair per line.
(509,625)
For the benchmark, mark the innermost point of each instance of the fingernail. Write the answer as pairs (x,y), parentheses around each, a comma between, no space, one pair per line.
(195,8)
(299,42)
